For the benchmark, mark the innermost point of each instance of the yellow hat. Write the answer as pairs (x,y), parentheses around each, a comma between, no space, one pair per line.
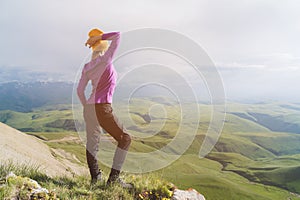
(100,45)
(95,32)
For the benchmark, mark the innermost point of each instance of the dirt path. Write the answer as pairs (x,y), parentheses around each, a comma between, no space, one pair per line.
(74,139)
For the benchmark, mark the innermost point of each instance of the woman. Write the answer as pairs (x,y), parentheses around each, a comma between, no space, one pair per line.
(97,108)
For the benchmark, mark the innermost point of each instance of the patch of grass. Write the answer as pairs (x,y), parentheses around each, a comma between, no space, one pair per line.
(280,172)
(277,143)
(78,187)
(38,120)
(77,149)
(208,178)
(241,145)
(288,177)
(21,169)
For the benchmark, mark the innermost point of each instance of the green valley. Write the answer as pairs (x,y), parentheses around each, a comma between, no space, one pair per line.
(256,157)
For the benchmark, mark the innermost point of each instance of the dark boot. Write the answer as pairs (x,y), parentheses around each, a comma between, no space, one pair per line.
(96,174)
(97,178)
(115,179)
(113,176)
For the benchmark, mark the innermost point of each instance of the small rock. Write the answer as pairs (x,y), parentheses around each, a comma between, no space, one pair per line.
(32,188)
(10,175)
(190,194)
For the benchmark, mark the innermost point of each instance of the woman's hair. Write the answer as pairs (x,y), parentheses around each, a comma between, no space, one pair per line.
(101,45)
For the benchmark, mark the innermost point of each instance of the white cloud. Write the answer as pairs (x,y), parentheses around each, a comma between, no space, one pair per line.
(240,66)
(268,62)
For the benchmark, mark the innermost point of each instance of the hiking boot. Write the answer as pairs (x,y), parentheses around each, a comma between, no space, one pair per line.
(97,178)
(120,182)
(115,179)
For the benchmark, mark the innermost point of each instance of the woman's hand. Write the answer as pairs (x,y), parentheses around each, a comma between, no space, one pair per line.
(92,40)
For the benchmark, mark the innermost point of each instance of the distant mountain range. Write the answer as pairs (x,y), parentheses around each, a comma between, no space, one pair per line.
(23,97)
(23,74)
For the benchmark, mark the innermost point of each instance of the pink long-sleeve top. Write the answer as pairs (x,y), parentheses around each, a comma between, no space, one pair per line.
(102,74)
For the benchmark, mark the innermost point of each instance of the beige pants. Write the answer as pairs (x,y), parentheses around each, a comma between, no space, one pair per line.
(96,115)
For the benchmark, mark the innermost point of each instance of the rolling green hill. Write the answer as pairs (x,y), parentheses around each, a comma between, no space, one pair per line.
(46,119)
(251,160)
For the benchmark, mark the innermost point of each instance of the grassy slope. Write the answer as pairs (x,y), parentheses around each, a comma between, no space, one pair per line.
(246,151)
(78,187)
(208,177)
(37,120)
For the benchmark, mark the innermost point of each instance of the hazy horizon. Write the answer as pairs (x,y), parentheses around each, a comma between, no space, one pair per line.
(252,43)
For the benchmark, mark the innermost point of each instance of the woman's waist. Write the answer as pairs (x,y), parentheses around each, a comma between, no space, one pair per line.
(101,99)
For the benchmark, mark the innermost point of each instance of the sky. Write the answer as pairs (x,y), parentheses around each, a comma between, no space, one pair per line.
(253,43)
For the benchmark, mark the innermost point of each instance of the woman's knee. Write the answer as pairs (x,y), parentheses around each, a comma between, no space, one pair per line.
(125,141)
(127,138)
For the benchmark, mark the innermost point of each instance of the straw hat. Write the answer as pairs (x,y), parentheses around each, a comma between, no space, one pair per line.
(100,45)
